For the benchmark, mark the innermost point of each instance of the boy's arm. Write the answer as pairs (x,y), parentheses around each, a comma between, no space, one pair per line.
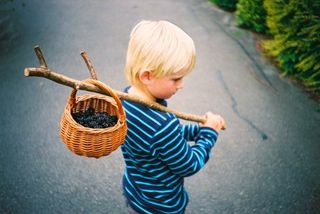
(190,131)
(170,146)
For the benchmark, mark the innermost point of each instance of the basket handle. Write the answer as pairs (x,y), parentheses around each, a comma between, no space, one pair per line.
(107,90)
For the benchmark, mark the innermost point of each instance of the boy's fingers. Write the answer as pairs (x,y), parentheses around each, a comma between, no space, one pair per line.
(223,123)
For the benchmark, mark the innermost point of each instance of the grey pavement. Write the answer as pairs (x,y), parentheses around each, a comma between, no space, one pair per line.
(267,161)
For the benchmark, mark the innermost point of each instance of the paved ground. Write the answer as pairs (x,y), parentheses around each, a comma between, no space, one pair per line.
(267,161)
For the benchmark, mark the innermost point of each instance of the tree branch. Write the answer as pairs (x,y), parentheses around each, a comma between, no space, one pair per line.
(73,83)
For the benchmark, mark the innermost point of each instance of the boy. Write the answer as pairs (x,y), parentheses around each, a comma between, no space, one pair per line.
(155,150)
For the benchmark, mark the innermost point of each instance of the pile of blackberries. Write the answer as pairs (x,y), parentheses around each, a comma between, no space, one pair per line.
(92,119)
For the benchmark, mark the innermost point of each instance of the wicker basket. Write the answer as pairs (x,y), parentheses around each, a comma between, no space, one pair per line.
(92,142)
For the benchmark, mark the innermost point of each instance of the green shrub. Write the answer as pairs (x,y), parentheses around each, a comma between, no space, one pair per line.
(229,5)
(251,15)
(295,26)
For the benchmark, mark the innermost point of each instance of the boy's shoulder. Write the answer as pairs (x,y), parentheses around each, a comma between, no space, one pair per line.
(141,114)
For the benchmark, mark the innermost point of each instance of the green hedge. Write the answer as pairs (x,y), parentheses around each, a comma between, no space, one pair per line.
(295,26)
(229,5)
(252,15)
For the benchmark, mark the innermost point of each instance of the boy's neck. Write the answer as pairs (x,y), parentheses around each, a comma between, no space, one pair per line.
(143,94)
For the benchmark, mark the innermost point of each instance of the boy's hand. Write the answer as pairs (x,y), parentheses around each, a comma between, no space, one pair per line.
(214,121)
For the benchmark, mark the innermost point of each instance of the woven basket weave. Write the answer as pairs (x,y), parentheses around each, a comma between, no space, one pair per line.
(91,142)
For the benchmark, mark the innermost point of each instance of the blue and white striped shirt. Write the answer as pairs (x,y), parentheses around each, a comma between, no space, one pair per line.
(158,157)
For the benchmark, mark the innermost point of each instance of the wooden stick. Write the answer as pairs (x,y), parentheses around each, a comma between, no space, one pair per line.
(79,85)
(44,71)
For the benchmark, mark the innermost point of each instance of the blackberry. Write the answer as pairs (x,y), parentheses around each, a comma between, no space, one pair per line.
(90,111)
(90,118)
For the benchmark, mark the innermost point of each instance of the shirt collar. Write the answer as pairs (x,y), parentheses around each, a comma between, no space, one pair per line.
(160,101)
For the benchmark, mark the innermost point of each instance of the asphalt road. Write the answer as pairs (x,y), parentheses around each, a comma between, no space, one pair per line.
(267,161)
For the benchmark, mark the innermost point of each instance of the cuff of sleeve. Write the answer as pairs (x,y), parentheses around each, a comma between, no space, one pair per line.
(209,133)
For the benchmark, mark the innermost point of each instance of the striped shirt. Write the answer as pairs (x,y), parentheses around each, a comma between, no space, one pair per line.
(158,157)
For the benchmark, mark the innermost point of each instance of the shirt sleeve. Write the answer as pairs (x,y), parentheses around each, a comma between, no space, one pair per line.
(190,131)
(170,146)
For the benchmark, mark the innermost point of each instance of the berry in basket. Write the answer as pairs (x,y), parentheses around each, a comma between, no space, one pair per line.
(92,119)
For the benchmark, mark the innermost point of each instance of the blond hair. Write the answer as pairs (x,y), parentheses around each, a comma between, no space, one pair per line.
(159,47)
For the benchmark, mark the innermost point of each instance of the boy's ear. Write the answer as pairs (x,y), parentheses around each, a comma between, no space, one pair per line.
(145,76)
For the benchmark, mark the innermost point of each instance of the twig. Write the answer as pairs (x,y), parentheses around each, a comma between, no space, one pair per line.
(89,64)
(40,56)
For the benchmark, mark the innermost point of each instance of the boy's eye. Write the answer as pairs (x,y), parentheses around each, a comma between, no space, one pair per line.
(177,79)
